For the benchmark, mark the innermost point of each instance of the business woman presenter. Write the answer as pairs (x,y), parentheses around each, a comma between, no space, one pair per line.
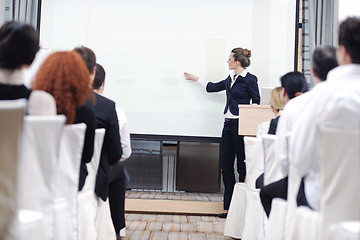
(241,87)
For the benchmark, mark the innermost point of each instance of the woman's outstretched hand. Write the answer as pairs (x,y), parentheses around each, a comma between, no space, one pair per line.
(191,77)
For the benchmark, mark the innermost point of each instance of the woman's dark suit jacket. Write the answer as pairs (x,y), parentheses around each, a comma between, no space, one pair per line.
(243,89)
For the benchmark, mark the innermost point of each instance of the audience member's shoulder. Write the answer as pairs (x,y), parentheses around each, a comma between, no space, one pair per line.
(85,110)
(85,114)
(299,100)
(41,103)
(295,106)
(103,99)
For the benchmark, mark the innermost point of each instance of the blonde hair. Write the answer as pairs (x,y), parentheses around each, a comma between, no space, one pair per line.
(275,100)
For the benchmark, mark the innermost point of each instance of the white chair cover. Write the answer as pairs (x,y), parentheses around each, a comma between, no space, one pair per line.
(39,154)
(87,199)
(294,180)
(11,124)
(235,220)
(340,168)
(104,222)
(67,181)
(305,225)
(254,156)
(254,216)
(344,231)
(274,226)
(276,222)
(271,172)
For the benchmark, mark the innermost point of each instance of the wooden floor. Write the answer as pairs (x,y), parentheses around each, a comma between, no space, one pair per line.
(165,227)
(159,215)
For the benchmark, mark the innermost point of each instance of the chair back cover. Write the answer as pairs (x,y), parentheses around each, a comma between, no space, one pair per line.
(67,181)
(11,124)
(254,216)
(306,224)
(294,180)
(344,230)
(254,157)
(276,222)
(340,170)
(104,222)
(39,154)
(235,220)
(87,199)
(271,171)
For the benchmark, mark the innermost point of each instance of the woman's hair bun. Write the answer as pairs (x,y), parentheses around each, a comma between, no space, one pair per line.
(247,53)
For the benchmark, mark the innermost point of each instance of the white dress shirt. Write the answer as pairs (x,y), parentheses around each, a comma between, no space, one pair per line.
(292,110)
(262,128)
(334,103)
(124,134)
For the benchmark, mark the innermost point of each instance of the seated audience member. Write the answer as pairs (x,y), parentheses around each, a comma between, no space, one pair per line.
(277,106)
(99,84)
(293,84)
(65,77)
(334,103)
(324,59)
(19,44)
(110,177)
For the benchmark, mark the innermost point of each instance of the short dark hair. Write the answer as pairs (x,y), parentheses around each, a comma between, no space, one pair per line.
(99,76)
(19,44)
(323,60)
(88,56)
(349,37)
(293,83)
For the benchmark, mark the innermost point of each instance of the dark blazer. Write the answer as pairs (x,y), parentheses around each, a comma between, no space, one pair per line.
(243,89)
(86,115)
(13,92)
(273,125)
(111,151)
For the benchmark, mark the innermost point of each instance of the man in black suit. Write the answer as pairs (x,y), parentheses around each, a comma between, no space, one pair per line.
(110,176)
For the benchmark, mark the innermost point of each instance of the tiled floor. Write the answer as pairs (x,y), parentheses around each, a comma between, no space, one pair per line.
(159,227)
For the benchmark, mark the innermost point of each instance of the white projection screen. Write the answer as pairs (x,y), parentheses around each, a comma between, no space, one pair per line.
(146,46)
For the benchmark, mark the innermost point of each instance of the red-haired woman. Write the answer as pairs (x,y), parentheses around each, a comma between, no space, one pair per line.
(64,75)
